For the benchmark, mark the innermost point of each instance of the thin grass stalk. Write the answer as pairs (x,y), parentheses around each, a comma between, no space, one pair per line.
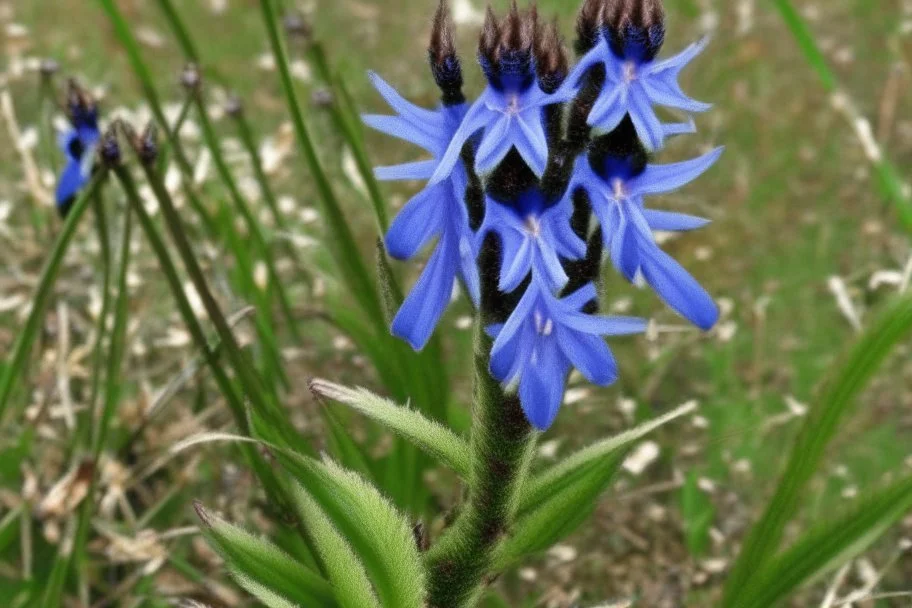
(891,182)
(18,357)
(271,482)
(180,31)
(124,33)
(173,133)
(344,245)
(253,225)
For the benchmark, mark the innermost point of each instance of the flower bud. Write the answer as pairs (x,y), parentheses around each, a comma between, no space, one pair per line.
(589,25)
(234,107)
(506,50)
(619,154)
(109,150)
(191,78)
(81,108)
(445,65)
(635,28)
(552,63)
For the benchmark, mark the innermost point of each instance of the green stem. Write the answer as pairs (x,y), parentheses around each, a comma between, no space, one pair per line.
(125,34)
(17,360)
(253,225)
(342,241)
(180,30)
(502,441)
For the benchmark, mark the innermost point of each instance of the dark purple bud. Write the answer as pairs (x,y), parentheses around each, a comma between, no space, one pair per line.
(444,62)
(619,154)
(506,51)
(234,107)
(48,68)
(144,144)
(81,108)
(297,27)
(489,44)
(589,25)
(322,98)
(635,28)
(109,150)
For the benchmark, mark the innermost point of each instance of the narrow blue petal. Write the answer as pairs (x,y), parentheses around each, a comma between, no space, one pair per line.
(519,317)
(420,170)
(65,140)
(679,128)
(504,360)
(422,309)
(566,241)
(661,179)
(418,222)
(70,183)
(664,93)
(610,108)
(400,104)
(494,146)
(532,141)
(678,289)
(644,118)
(678,62)
(573,82)
(548,268)
(541,389)
(515,269)
(589,354)
(475,120)
(400,128)
(623,248)
(670,221)
(580,297)
(598,325)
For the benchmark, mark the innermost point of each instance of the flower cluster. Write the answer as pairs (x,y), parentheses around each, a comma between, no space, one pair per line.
(531,185)
(79,144)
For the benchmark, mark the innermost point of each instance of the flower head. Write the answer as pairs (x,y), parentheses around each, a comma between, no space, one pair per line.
(545,338)
(631,35)
(79,145)
(617,182)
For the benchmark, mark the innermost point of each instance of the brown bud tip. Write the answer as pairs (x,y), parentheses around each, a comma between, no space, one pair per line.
(202,513)
(191,78)
(109,150)
(296,26)
(641,14)
(443,35)
(77,97)
(518,30)
(553,63)
(322,98)
(588,24)
(48,67)
(490,37)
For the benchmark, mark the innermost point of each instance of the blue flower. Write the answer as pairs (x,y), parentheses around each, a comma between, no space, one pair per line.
(438,211)
(79,145)
(534,237)
(634,83)
(545,338)
(616,191)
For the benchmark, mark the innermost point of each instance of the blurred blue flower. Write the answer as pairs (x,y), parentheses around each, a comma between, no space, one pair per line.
(79,145)
(438,211)
(534,237)
(634,83)
(616,191)
(545,338)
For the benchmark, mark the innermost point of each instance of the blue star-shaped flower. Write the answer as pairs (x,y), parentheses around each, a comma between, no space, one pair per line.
(635,82)
(545,338)
(510,114)
(533,236)
(438,211)
(79,145)
(617,193)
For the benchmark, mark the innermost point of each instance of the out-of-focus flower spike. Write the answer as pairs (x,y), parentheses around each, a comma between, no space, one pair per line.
(445,64)
(79,144)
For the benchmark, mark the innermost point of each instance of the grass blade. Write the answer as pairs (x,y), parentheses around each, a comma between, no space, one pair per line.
(15,365)
(830,545)
(846,380)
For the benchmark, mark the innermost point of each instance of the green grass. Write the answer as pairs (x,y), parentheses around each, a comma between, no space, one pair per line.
(794,202)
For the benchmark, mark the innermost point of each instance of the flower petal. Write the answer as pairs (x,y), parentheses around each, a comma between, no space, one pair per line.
(660,179)
(665,92)
(541,388)
(678,289)
(678,62)
(495,144)
(420,170)
(589,354)
(644,118)
(670,221)
(70,183)
(398,127)
(425,304)
(418,222)
(610,108)
(514,270)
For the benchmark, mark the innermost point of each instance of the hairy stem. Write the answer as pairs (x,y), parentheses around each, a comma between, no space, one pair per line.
(502,440)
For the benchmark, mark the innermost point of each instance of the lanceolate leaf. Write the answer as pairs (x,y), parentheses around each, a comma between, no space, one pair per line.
(377,532)
(433,438)
(257,563)
(846,379)
(829,545)
(557,516)
(564,475)
(345,571)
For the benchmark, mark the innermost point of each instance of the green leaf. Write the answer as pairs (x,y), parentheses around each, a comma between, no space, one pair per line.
(430,436)
(829,546)
(345,571)
(378,533)
(345,448)
(259,564)
(558,515)
(847,377)
(564,475)
(698,513)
